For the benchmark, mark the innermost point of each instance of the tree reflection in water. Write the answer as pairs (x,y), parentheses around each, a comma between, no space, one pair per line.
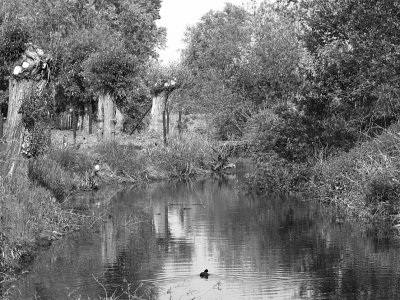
(158,239)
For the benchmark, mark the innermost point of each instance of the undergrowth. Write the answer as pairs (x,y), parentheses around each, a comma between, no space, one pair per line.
(27,211)
(186,155)
(363,183)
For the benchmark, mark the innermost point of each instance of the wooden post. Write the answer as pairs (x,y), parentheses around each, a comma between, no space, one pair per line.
(167,111)
(74,123)
(164,128)
(141,119)
(90,113)
(180,122)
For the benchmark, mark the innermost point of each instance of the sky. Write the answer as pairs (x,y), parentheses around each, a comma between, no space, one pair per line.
(176,15)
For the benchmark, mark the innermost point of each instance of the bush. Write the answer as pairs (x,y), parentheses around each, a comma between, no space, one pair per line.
(276,175)
(229,123)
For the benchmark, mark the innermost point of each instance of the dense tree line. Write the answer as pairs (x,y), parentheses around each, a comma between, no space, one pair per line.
(328,70)
(97,46)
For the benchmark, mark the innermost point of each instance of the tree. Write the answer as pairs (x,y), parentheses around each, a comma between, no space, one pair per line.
(113,71)
(243,61)
(355,49)
(30,74)
(77,32)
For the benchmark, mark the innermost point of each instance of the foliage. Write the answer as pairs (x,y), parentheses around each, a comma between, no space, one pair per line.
(245,59)
(355,61)
(108,70)
(230,123)
(36,110)
(120,35)
(14,38)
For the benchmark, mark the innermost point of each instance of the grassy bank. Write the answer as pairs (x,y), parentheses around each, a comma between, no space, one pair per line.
(363,183)
(32,213)
(30,217)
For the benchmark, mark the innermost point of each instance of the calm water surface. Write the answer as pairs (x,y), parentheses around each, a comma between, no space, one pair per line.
(154,242)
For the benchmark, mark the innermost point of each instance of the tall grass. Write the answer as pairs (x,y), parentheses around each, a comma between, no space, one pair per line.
(124,160)
(365,182)
(72,160)
(186,155)
(61,171)
(26,212)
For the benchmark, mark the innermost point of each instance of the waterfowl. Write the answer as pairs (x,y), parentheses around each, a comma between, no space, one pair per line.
(204,274)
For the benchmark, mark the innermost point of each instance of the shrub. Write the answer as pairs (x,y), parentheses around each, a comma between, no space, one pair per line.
(230,122)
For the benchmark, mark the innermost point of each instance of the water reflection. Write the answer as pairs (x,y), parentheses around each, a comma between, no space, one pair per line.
(157,240)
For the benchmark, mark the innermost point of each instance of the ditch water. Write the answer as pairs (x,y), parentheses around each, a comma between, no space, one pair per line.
(154,242)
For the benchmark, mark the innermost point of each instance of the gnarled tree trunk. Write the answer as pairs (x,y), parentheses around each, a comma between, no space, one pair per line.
(161,92)
(119,120)
(106,117)
(30,76)
(157,110)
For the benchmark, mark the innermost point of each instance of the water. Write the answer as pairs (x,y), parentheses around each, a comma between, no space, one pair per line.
(154,242)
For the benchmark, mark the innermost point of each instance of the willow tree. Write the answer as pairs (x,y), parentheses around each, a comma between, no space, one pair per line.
(128,40)
(29,74)
(161,93)
(110,72)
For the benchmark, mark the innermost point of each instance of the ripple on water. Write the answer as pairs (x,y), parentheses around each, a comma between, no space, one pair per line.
(254,248)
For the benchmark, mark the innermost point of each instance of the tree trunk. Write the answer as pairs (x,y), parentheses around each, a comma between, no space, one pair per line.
(90,113)
(157,109)
(30,76)
(167,112)
(85,119)
(18,91)
(107,117)
(180,122)
(74,124)
(119,118)
(100,119)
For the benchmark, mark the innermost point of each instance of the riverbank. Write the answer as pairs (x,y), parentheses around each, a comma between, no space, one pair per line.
(34,206)
(363,184)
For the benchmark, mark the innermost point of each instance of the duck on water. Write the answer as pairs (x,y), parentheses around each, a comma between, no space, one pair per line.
(204,274)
